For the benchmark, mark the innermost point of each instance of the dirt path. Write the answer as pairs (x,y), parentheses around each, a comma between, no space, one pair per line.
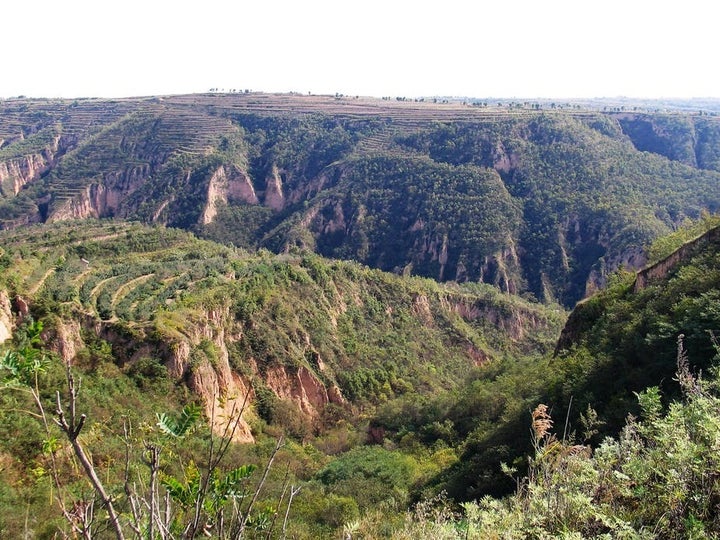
(39,284)
(96,288)
(127,286)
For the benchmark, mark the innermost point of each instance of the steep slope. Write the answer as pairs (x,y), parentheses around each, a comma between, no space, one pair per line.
(291,330)
(625,338)
(541,201)
(690,140)
(590,200)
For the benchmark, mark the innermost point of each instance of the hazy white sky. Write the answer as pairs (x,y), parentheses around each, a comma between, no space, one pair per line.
(504,48)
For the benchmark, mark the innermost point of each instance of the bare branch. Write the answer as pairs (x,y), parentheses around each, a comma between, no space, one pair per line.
(293,492)
(278,446)
(72,432)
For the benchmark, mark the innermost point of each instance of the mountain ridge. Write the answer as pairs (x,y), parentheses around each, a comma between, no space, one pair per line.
(437,377)
(576,190)
(225,321)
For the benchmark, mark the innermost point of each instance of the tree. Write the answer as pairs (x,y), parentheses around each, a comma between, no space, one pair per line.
(203,500)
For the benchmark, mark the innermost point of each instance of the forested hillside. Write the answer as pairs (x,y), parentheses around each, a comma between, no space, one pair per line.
(389,389)
(624,339)
(152,319)
(540,201)
(286,316)
(625,430)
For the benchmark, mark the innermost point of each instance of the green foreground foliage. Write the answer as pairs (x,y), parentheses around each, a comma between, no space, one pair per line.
(660,478)
(622,340)
(439,428)
(119,292)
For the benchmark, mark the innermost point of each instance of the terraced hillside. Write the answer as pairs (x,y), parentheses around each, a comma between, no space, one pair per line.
(541,201)
(311,331)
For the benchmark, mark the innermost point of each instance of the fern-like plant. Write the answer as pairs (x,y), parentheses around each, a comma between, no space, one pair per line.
(181,426)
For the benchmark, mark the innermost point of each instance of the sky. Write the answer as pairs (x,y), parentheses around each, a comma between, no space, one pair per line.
(503,49)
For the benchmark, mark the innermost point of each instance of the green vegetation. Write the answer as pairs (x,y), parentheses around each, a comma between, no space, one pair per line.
(657,479)
(536,201)
(444,426)
(622,340)
(587,195)
(102,477)
(666,245)
(126,296)
(381,405)
(439,220)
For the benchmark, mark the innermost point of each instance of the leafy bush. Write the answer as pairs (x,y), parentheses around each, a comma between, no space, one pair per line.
(370,475)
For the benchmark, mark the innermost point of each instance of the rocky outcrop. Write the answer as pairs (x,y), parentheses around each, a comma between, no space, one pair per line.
(215,195)
(421,309)
(337,223)
(589,250)
(514,321)
(324,220)
(501,269)
(227,184)
(662,269)
(307,189)
(274,197)
(631,259)
(587,312)
(504,161)
(224,393)
(65,339)
(6,319)
(122,183)
(302,387)
(442,256)
(225,396)
(240,187)
(105,199)
(91,203)
(450,262)
(17,172)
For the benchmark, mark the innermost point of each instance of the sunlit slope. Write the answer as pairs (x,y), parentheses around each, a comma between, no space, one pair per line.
(544,201)
(372,334)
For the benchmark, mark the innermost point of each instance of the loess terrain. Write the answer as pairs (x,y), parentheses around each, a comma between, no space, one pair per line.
(384,295)
(543,201)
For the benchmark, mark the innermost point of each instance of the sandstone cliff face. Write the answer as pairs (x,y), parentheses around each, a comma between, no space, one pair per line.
(224,393)
(6,324)
(662,269)
(274,197)
(504,161)
(515,322)
(227,184)
(91,203)
(302,387)
(589,248)
(586,312)
(631,259)
(307,189)
(64,339)
(501,269)
(124,182)
(17,172)
(104,199)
